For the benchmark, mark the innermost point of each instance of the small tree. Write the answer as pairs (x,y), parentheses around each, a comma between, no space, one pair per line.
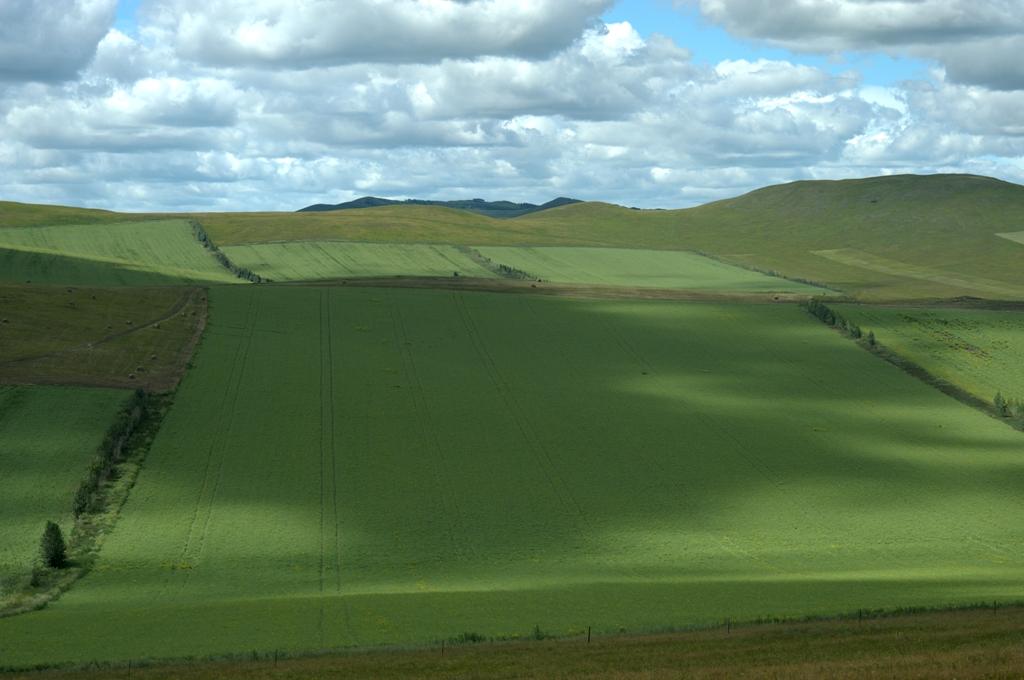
(871,339)
(1002,408)
(53,548)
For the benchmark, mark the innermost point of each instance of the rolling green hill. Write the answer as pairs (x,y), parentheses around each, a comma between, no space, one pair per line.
(14,214)
(903,236)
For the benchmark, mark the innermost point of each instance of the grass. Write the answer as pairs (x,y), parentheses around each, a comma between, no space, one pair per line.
(959,644)
(28,267)
(113,337)
(881,238)
(359,466)
(164,249)
(48,436)
(897,237)
(974,349)
(388,224)
(14,214)
(632,267)
(306,260)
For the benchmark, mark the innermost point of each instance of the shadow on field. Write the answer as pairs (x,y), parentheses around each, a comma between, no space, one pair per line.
(398,465)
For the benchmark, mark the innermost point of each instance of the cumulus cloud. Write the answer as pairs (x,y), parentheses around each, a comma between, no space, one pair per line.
(52,40)
(977,41)
(157,121)
(307,33)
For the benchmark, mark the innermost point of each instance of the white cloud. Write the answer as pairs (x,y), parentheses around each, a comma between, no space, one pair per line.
(977,41)
(51,40)
(308,33)
(608,114)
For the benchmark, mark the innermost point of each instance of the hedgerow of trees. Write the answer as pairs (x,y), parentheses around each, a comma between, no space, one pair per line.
(110,453)
(831,317)
(240,272)
(1011,409)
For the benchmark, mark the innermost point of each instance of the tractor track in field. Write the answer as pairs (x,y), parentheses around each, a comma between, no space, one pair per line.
(541,453)
(328,462)
(211,480)
(440,465)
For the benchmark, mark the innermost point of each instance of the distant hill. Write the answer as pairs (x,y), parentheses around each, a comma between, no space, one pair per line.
(498,209)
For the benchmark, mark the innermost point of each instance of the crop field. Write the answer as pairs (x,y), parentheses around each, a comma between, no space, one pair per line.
(112,337)
(977,350)
(642,268)
(161,251)
(310,260)
(362,466)
(48,436)
(897,237)
(28,267)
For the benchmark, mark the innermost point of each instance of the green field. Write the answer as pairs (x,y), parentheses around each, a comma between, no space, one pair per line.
(109,337)
(307,260)
(977,350)
(48,436)
(639,268)
(359,466)
(896,237)
(122,253)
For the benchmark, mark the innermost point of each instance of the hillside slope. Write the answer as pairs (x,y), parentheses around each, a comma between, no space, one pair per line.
(895,237)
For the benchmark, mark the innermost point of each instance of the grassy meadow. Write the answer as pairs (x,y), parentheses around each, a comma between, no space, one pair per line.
(351,467)
(48,437)
(310,260)
(978,350)
(153,253)
(638,268)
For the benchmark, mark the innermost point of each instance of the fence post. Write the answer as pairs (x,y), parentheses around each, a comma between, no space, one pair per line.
(588,635)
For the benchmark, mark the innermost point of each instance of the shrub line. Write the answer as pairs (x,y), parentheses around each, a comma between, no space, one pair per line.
(503,270)
(98,501)
(224,260)
(1009,411)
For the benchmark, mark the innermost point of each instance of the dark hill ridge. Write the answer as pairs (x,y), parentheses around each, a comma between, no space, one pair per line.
(497,209)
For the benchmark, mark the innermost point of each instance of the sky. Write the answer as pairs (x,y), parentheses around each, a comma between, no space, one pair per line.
(168,105)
